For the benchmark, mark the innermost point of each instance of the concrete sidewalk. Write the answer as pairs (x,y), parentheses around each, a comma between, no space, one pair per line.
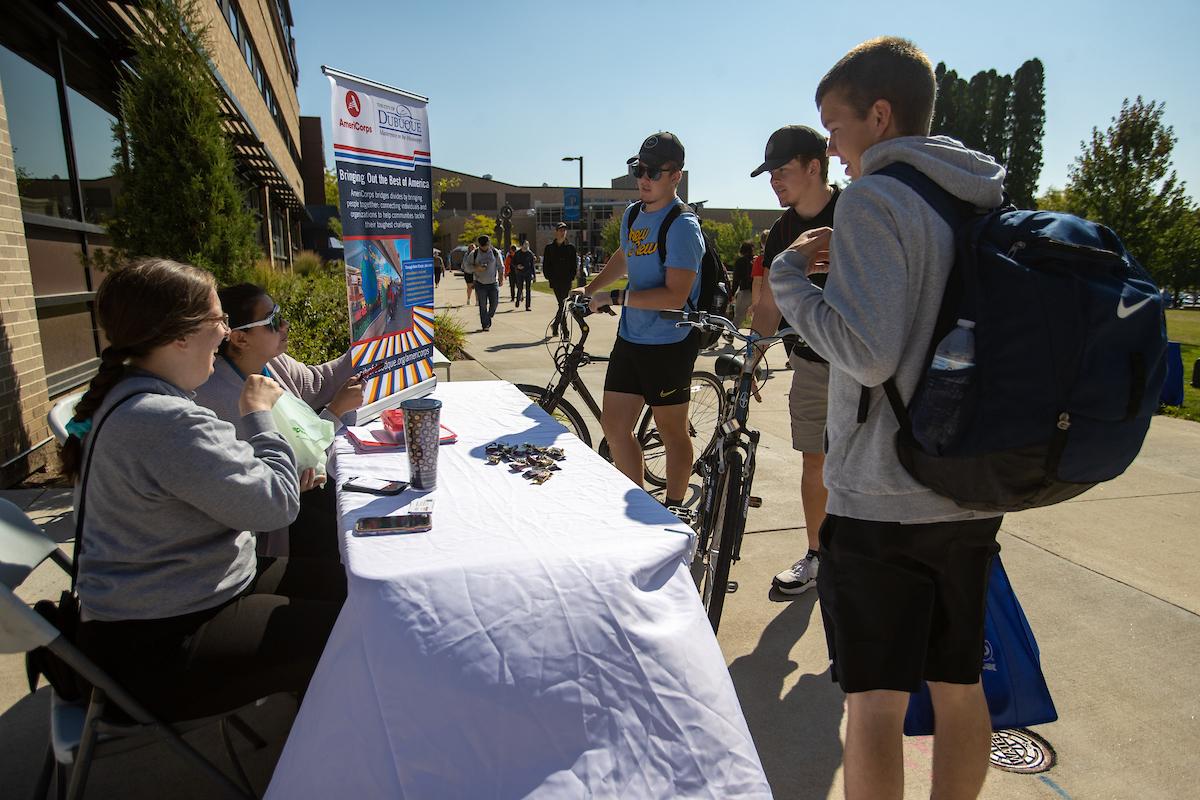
(1109,582)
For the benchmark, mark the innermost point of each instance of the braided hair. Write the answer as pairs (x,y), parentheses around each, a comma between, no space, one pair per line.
(143,306)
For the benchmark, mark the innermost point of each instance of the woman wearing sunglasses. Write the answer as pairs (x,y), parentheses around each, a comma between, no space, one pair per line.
(257,345)
(175,604)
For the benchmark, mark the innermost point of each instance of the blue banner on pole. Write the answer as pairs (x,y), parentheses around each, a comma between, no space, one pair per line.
(572,200)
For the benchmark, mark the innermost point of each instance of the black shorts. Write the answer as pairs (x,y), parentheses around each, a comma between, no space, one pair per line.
(660,373)
(904,603)
(468,277)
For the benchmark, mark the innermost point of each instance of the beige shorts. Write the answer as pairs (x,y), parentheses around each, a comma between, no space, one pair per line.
(808,403)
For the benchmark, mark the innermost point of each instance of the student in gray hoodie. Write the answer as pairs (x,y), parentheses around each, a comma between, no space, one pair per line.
(903,570)
(257,344)
(175,604)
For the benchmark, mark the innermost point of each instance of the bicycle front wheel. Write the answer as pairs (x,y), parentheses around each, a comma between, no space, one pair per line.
(706,407)
(564,413)
(727,524)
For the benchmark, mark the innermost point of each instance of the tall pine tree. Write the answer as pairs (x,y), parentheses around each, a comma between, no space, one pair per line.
(181,198)
(1001,115)
(1028,124)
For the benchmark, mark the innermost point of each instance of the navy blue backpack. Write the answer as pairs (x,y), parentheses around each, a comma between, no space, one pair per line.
(1070,337)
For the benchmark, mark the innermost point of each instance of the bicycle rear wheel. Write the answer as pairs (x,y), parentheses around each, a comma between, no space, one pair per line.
(564,413)
(725,528)
(706,407)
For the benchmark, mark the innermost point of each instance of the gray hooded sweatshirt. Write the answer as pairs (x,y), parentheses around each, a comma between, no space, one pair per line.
(890,258)
(172,498)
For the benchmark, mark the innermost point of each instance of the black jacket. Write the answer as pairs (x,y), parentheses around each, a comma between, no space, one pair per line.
(559,263)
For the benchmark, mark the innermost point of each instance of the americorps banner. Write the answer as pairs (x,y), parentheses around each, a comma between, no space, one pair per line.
(381,154)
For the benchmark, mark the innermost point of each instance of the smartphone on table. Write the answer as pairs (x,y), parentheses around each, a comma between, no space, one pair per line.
(397,523)
(380,486)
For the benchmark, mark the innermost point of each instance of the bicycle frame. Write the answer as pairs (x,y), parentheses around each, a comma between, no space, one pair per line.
(568,368)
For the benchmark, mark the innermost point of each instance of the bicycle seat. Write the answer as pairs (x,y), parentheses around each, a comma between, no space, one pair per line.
(729,365)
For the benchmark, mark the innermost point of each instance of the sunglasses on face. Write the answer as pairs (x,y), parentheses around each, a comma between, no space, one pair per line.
(653,173)
(274,321)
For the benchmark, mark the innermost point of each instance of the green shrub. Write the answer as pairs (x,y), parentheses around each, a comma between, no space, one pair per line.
(314,304)
(449,336)
(307,262)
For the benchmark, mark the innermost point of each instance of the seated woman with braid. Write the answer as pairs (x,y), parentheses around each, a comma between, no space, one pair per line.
(257,344)
(175,603)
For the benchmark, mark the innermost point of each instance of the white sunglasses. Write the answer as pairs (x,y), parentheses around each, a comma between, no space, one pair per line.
(273,320)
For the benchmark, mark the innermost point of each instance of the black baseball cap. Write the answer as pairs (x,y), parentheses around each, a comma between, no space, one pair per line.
(658,149)
(789,142)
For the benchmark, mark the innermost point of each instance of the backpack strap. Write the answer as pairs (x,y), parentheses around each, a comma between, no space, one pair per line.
(83,479)
(672,215)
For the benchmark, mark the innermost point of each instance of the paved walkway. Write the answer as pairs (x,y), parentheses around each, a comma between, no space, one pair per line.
(1108,580)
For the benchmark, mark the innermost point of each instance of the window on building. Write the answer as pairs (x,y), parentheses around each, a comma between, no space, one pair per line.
(36,132)
(456,201)
(231,17)
(518,201)
(483,201)
(95,146)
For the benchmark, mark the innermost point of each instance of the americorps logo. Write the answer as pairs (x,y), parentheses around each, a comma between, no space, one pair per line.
(398,119)
(353,104)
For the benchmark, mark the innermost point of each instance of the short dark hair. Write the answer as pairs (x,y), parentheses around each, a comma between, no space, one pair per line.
(824,161)
(747,249)
(482,240)
(886,68)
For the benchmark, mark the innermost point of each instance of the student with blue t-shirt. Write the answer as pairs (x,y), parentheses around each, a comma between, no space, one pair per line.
(652,360)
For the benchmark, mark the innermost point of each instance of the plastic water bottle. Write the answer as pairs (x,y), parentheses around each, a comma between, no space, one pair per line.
(937,421)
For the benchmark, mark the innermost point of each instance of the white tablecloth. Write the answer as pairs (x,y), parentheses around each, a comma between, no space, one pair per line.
(541,641)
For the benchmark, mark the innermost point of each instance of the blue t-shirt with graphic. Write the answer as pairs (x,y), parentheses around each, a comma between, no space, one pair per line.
(685,248)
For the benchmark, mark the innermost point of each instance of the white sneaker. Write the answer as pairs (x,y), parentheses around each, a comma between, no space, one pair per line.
(799,577)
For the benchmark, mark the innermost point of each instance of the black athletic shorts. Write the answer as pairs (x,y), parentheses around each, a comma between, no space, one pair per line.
(660,373)
(904,603)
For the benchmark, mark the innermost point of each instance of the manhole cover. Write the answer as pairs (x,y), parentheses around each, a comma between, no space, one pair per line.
(1021,750)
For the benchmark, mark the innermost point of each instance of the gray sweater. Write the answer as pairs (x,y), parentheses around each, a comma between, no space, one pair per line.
(172,496)
(890,258)
(487,267)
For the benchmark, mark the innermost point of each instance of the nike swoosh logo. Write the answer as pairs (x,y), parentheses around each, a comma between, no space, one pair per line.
(667,394)
(1124,311)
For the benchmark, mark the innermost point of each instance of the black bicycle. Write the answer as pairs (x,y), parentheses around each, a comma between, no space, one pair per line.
(707,403)
(726,467)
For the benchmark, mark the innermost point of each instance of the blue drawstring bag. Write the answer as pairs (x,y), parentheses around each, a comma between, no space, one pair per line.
(1016,690)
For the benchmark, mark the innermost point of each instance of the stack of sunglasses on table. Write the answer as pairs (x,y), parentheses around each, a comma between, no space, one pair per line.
(534,463)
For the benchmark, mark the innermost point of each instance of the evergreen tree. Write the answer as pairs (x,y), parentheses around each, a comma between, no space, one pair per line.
(1028,123)
(1124,179)
(181,198)
(996,131)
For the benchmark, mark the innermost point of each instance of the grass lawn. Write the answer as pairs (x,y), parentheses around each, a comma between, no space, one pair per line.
(1183,326)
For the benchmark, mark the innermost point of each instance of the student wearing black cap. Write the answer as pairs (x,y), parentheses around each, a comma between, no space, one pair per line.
(799,166)
(558,267)
(652,360)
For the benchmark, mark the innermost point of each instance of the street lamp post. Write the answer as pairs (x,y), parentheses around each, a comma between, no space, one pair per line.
(582,207)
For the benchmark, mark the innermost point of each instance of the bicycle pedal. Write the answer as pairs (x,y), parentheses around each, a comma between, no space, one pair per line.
(755,502)
(731,587)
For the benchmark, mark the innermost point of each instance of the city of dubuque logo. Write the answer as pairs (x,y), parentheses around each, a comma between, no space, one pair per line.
(638,246)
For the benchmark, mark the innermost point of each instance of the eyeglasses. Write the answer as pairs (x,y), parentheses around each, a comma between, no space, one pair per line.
(221,318)
(653,173)
(274,321)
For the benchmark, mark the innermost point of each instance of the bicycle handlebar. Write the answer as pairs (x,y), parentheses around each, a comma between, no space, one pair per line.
(719,324)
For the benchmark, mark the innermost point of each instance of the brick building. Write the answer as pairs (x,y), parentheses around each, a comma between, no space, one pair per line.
(59,66)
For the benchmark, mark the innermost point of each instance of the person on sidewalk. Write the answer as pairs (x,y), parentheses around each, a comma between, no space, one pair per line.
(487,267)
(508,273)
(468,277)
(799,166)
(652,360)
(904,570)
(523,274)
(558,268)
(740,283)
(439,267)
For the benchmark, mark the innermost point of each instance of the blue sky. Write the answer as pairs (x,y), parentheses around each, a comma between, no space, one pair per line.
(515,86)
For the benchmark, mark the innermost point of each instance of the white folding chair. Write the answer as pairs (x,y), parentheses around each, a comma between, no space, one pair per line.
(81,731)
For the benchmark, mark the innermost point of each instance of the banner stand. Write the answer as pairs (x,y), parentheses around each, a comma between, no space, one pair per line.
(385,190)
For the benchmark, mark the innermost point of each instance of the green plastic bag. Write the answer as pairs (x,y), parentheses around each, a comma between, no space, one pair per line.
(308,434)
